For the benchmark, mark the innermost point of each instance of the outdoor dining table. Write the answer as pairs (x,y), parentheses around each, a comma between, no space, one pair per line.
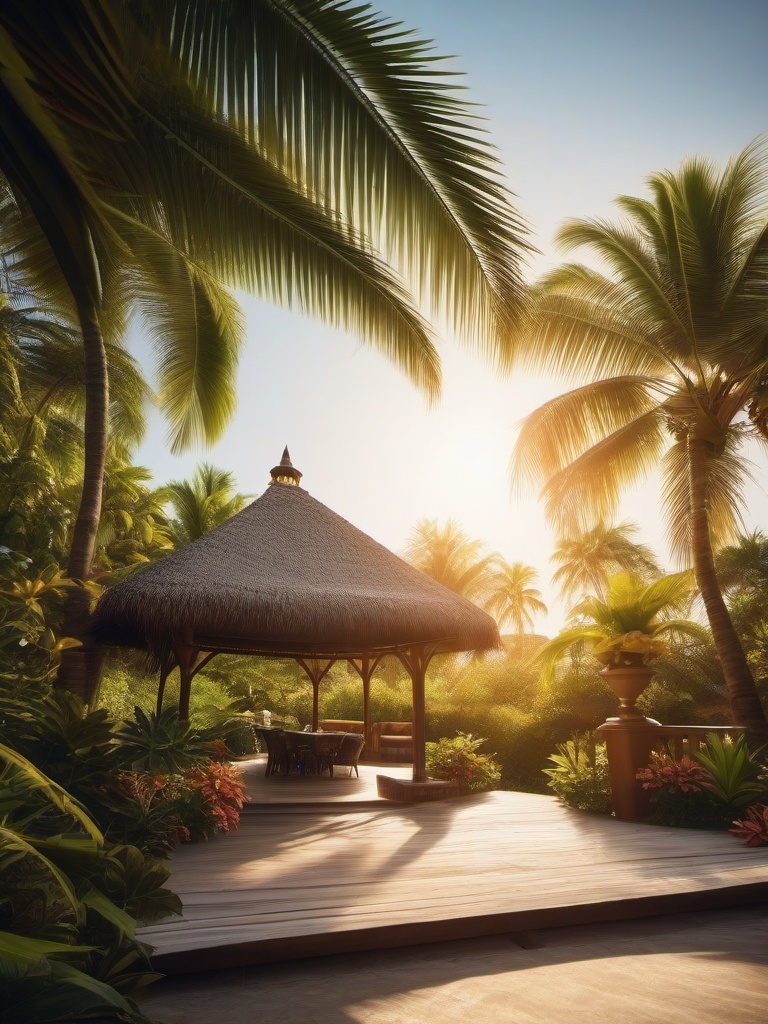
(311,752)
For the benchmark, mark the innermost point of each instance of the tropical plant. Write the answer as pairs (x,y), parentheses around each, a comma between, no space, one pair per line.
(754,828)
(202,503)
(513,597)
(69,906)
(678,791)
(589,558)
(30,649)
(580,774)
(456,760)
(672,346)
(629,626)
(162,742)
(446,554)
(288,149)
(211,800)
(735,775)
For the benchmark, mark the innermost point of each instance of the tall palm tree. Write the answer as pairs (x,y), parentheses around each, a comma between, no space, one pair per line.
(446,554)
(202,503)
(289,148)
(589,558)
(514,598)
(673,345)
(305,150)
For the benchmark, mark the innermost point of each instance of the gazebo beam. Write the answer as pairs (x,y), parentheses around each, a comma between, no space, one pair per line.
(316,674)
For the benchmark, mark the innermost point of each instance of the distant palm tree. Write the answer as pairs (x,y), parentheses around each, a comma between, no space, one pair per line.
(447,555)
(202,503)
(674,346)
(513,597)
(589,558)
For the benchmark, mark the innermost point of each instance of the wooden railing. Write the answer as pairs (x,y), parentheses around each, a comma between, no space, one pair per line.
(687,739)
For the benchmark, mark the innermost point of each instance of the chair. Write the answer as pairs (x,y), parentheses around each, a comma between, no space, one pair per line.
(349,753)
(392,741)
(277,751)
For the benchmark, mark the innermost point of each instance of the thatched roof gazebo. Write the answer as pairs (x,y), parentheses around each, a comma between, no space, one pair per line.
(288,578)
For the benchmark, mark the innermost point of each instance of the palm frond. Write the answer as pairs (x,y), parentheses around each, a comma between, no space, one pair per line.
(564,428)
(341,97)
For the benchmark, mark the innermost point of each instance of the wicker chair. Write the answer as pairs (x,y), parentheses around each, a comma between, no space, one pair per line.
(349,753)
(277,752)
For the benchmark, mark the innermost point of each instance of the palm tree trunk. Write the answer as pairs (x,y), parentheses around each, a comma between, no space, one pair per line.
(80,667)
(746,706)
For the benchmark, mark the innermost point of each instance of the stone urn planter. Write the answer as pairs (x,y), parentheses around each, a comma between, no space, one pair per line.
(628,678)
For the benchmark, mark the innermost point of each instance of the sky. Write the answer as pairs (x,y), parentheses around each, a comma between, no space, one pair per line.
(584,99)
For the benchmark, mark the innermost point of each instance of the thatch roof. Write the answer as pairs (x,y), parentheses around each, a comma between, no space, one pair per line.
(288,575)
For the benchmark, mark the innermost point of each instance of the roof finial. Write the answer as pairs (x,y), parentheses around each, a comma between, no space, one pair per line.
(286,473)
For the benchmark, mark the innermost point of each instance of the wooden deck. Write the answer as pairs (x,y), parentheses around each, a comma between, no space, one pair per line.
(344,791)
(293,883)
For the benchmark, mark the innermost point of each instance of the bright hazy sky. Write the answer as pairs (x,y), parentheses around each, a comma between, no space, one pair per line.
(584,99)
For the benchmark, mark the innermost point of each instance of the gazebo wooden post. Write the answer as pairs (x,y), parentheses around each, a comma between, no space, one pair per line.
(186,656)
(416,661)
(365,670)
(166,667)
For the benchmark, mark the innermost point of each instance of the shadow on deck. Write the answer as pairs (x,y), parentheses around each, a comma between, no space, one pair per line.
(315,881)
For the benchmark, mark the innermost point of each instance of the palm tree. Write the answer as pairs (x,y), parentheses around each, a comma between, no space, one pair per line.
(290,149)
(589,558)
(674,346)
(202,503)
(306,151)
(513,597)
(447,555)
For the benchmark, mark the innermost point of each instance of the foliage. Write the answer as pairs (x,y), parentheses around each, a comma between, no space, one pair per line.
(679,792)
(667,346)
(446,554)
(212,798)
(457,760)
(512,597)
(69,905)
(164,743)
(754,828)
(580,776)
(707,789)
(29,608)
(629,626)
(202,503)
(589,558)
(735,776)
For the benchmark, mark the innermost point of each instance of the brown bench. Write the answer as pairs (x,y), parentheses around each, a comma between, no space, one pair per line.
(392,741)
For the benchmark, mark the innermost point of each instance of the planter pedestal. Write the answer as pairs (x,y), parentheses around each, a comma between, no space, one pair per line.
(629,740)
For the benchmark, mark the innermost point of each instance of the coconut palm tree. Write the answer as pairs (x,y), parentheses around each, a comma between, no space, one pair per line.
(307,151)
(673,344)
(446,554)
(202,503)
(589,558)
(514,598)
(300,150)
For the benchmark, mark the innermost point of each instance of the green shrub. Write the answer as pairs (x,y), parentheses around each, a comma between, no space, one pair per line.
(457,760)
(707,790)
(70,905)
(580,776)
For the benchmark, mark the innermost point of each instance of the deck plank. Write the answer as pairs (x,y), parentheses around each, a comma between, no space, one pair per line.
(298,883)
